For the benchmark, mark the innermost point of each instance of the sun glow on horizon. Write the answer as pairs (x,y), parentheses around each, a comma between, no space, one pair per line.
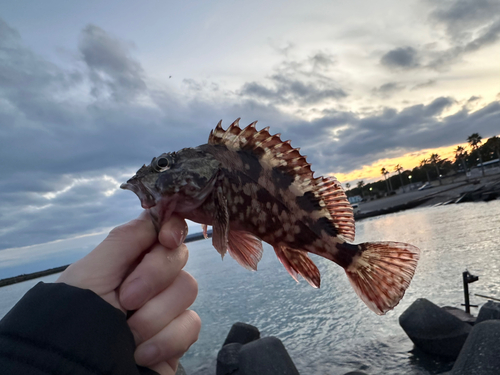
(371,173)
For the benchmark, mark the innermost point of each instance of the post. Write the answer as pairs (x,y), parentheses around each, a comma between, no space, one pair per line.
(468,278)
(466,292)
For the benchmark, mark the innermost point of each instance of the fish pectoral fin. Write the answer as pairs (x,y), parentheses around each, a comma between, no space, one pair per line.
(381,272)
(220,224)
(297,262)
(245,248)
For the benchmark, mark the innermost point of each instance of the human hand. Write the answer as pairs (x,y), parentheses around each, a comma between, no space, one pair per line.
(135,268)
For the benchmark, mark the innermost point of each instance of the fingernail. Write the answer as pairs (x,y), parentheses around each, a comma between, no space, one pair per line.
(184,234)
(146,354)
(179,235)
(135,294)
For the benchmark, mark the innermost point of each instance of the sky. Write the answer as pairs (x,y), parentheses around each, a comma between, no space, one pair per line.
(90,91)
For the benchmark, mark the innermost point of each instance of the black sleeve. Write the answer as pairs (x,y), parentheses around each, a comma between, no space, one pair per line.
(60,329)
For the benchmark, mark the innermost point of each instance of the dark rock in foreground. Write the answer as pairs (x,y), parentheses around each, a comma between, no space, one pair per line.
(434,330)
(490,310)
(243,353)
(479,355)
(242,333)
(266,356)
(228,359)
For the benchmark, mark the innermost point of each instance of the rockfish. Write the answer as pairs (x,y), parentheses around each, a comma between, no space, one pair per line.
(251,186)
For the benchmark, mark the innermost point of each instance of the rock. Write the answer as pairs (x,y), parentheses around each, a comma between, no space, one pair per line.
(355,373)
(490,310)
(434,330)
(227,359)
(460,314)
(266,356)
(242,333)
(479,355)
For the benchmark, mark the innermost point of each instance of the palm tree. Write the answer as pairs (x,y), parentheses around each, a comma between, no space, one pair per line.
(495,145)
(348,186)
(474,141)
(398,168)
(360,185)
(423,165)
(435,159)
(385,172)
(460,155)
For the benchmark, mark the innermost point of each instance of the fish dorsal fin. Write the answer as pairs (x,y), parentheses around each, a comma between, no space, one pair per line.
(277,153)
(288,167)
(333,196)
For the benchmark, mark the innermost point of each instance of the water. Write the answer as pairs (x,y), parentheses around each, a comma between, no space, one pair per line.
(329,330)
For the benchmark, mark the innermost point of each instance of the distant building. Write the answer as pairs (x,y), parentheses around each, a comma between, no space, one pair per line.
(355,199)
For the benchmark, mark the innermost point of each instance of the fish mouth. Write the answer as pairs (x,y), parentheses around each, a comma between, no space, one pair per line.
(145,196)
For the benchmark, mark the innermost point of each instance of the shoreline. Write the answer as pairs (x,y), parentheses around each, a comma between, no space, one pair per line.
(455,191)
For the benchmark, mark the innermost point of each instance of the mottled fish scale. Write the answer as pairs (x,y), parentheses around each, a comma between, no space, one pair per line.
(287,176)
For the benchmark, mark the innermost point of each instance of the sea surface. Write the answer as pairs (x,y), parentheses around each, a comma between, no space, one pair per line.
(329,330)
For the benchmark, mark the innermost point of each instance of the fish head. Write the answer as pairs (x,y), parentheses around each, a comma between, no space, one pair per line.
(174,182)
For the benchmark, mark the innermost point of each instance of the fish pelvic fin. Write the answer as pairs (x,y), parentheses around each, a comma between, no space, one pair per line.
(297,262)
(381,272)
(245,248)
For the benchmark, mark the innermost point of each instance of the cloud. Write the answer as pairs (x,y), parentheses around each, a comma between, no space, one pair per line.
(467,25)
(461,18)
(112,70)
(287,90)
(388,89)
(70,135)
(298,82)
(402,57)
(422,85)
(344,141)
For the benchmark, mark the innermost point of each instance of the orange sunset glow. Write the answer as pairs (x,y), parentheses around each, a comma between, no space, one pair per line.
(371,173)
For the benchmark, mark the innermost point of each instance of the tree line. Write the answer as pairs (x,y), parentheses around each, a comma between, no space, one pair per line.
(474,153)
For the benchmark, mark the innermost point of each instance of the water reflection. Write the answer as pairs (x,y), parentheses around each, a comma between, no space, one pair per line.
(330,331)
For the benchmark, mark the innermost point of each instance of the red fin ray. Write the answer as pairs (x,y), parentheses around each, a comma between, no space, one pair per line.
(297,262)
(338,206)
(280,153)
(382,272)
(245,248)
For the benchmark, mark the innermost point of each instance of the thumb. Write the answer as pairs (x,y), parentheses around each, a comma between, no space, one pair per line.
(106,266)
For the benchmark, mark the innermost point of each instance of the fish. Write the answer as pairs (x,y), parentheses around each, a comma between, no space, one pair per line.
(251,186)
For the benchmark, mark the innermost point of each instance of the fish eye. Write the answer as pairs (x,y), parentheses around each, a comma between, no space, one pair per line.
(161,164)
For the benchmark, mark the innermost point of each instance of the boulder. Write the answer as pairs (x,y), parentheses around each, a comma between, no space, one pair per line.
(490,310)
(242,333)
(479,355)
(227,359)
(433,330)
(266,356)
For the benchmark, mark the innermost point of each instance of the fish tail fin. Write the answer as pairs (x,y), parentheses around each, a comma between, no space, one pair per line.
(380,273)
